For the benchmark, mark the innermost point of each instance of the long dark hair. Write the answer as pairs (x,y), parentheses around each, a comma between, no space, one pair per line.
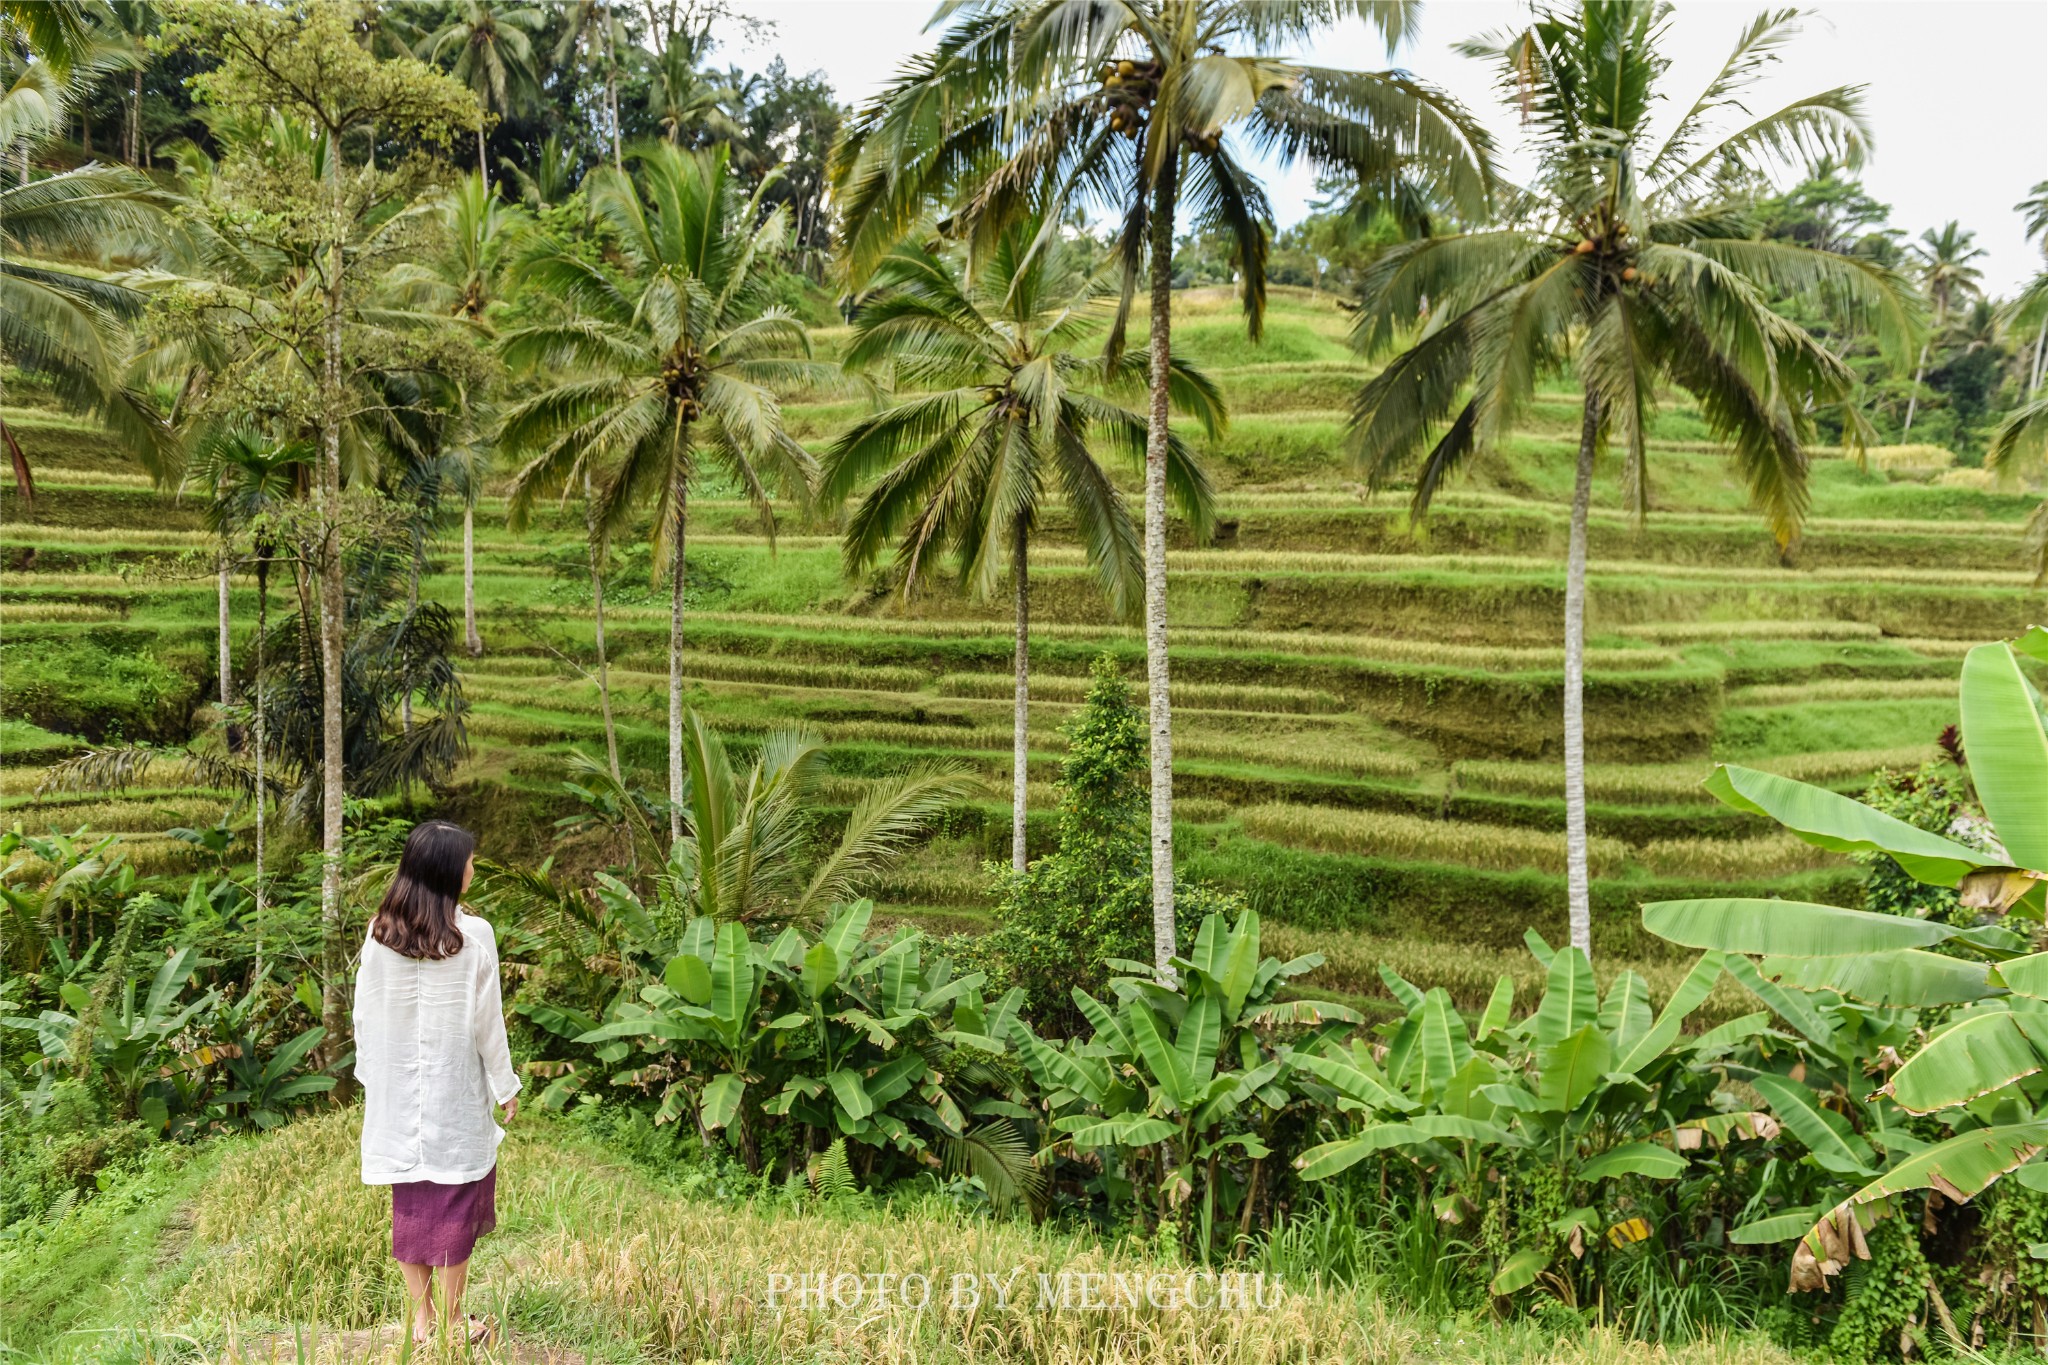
(417,918)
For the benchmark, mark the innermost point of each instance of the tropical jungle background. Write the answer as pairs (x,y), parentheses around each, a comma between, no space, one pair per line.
(1478,754)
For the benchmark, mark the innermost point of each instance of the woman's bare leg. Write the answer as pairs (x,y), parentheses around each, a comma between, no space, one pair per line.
(419,1295)
(454,1279)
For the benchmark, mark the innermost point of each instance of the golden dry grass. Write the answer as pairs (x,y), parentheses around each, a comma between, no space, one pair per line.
(592,1256)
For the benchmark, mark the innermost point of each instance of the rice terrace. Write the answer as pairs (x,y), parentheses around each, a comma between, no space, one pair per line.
(1074,688)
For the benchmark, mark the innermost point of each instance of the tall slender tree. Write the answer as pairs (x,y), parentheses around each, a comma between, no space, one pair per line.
(1139,108)
(667,364)
(479,233)
(302,61)
(1006,413)
(254,481)
(1947,276)
(1613,268)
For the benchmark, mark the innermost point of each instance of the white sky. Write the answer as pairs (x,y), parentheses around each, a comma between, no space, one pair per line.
(1957,98)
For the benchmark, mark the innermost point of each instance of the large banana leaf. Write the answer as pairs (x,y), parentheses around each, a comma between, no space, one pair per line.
(1570,1001)
(1164,1063)
(2008,752)
(1787,928)
(1634,1158)
(1320,1163)
(1126,1130)
(721,1099)
(1200,1033)
(1961,1168)
(1691,992)
(1794,1007)
(1906,977)
(1827,1135)
(1351,1081)
(1832,821)
(1572,1067)
(2026,976)
(1445,1047)
(1972,1058)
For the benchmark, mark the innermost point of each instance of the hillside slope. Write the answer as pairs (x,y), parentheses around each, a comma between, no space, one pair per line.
(1367,718)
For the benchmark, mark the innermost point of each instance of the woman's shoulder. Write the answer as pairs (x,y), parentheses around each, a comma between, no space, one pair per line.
(475,926)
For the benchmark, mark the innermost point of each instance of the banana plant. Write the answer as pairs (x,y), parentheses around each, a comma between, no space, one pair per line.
(134,1046)
(1178,1083)
(897,1055)
(1845,979)
(1597,1089)
(710,996)
(879,1019)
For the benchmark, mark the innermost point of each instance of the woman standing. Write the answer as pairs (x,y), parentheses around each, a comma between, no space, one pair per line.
(432,1059)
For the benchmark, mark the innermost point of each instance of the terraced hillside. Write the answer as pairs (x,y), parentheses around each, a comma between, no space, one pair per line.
(1367,719)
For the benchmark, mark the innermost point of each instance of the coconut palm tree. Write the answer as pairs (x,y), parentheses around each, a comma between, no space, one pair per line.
(1948,278)
(2035,207)
(1611,265)
(661,368)
(1137,108)
(479,233)
(970,468)
(491,47)
(73,326)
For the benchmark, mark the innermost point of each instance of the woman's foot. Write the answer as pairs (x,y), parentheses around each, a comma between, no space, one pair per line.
(482,1331)
(422,1331)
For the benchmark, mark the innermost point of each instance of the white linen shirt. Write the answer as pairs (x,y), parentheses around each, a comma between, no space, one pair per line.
(432,1058)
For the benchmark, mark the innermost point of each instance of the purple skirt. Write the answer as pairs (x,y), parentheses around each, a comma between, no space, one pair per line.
(434,1224)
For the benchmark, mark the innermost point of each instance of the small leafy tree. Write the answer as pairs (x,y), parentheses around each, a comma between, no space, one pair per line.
(1063,917)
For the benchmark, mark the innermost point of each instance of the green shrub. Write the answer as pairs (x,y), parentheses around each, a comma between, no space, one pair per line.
(103,683)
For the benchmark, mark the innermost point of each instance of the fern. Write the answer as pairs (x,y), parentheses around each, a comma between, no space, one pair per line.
(832,1174)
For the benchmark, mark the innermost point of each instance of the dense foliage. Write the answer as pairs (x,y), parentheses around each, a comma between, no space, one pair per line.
(248,246)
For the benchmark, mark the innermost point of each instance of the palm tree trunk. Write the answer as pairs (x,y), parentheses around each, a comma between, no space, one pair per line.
(256,684)
(135,120)
(604,676)
(680,495)
(1913,399)
(1580,905)
(471,641)
(611,83)
(482,168)
(2040,355)
(1155,576)
(334,1006)
(225,650)
(1020,759)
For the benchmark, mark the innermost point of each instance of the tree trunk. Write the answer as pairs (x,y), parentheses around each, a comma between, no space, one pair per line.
(680,495)
(1020,761)
(412,606)
(2040,354)
(482,168)
(604,676)
(611,83)
(135,120)
(334,1005)
(256,686)
(471,641)
(1155,575)
(1580,907)
(1913,399)
(225,663)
